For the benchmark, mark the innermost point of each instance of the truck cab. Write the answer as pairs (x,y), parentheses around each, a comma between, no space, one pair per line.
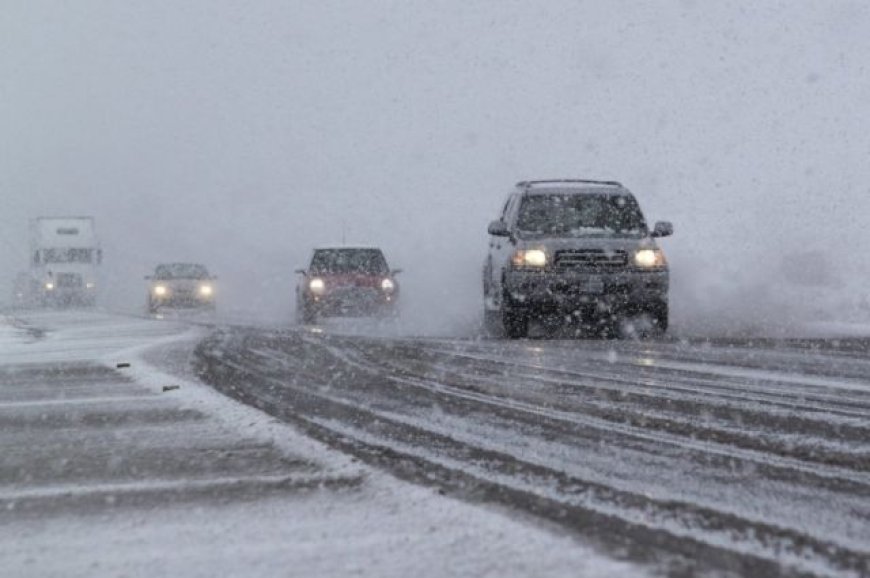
(65,255)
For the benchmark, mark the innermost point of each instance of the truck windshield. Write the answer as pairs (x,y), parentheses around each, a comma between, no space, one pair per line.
(67,255)
(580,215)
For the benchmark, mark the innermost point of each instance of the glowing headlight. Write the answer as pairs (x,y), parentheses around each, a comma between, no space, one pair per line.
(160,290)
(388,286)
(90,285)
(49,286)
(205,290)
(649,258)
(317,286)
(530,258)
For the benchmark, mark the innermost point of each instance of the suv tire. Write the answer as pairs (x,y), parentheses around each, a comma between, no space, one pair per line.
(492,325)
(308,316)
(659,314)
(515,321)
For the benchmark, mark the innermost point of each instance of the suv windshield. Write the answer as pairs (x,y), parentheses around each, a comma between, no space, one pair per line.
(369,261)
(180,271)
(580,215)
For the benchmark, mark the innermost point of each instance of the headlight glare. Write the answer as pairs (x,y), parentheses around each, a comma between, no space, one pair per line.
(160,290)
(649,258)
(388,286)
(49,286)
(205,290)
(530,258)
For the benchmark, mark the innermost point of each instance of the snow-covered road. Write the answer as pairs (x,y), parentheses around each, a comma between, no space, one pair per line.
(750,458)
(113,471)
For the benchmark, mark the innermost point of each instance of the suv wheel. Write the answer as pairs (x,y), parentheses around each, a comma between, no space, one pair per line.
(645,322)
(309,316)
(660,317)
(492,326)
(515,321)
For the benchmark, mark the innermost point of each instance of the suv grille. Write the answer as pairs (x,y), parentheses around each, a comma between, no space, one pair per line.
(591,259)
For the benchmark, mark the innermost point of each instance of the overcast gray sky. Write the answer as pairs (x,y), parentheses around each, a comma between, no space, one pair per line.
(242,134)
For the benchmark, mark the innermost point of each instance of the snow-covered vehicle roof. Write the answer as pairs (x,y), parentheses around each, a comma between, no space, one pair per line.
(64,231)
(566,184)
(343,246)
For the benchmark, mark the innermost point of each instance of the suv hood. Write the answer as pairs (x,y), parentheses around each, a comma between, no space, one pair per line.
(553,244)
(352,279)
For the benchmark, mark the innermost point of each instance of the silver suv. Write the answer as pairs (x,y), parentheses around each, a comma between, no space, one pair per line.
(575,248)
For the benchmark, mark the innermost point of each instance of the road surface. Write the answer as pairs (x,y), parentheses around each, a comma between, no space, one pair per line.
(141,470)
(698,457)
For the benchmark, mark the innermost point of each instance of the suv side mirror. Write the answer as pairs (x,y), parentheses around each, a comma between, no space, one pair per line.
(663,229)
(498,229)
(395,271)
(148,277)
(301,271)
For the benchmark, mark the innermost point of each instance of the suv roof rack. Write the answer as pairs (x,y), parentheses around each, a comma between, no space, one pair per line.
(530,184)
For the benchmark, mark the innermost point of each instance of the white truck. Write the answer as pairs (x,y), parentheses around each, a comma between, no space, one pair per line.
(65,256)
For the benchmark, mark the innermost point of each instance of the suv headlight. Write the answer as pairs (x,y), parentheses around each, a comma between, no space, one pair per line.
(160,290)
(205,290)
(388,286)
(534,258)
(650,259)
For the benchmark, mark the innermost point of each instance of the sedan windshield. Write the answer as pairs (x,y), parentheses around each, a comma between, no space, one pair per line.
(181,271)
(370,261)
(580,215)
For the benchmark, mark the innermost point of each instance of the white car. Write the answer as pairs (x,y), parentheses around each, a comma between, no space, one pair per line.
(180,285)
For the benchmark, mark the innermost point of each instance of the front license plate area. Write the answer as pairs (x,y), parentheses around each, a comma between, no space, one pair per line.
(590,286)
(586,287)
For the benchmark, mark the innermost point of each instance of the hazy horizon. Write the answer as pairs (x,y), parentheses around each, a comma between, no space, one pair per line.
(243,135)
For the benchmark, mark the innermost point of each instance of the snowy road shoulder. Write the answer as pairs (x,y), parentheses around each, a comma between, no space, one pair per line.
(106,473)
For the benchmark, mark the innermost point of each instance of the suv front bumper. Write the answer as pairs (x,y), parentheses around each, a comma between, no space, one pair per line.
(546,291)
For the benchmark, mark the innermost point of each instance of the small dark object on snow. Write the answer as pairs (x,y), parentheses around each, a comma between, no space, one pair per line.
(122,365)
(170,387)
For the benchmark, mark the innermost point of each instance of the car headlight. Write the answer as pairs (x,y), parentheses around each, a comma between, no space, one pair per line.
(530,258)
(388,286)
(205,290)
(160,290)
(90,285)
(49,286)
(650,258)
(317,286)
